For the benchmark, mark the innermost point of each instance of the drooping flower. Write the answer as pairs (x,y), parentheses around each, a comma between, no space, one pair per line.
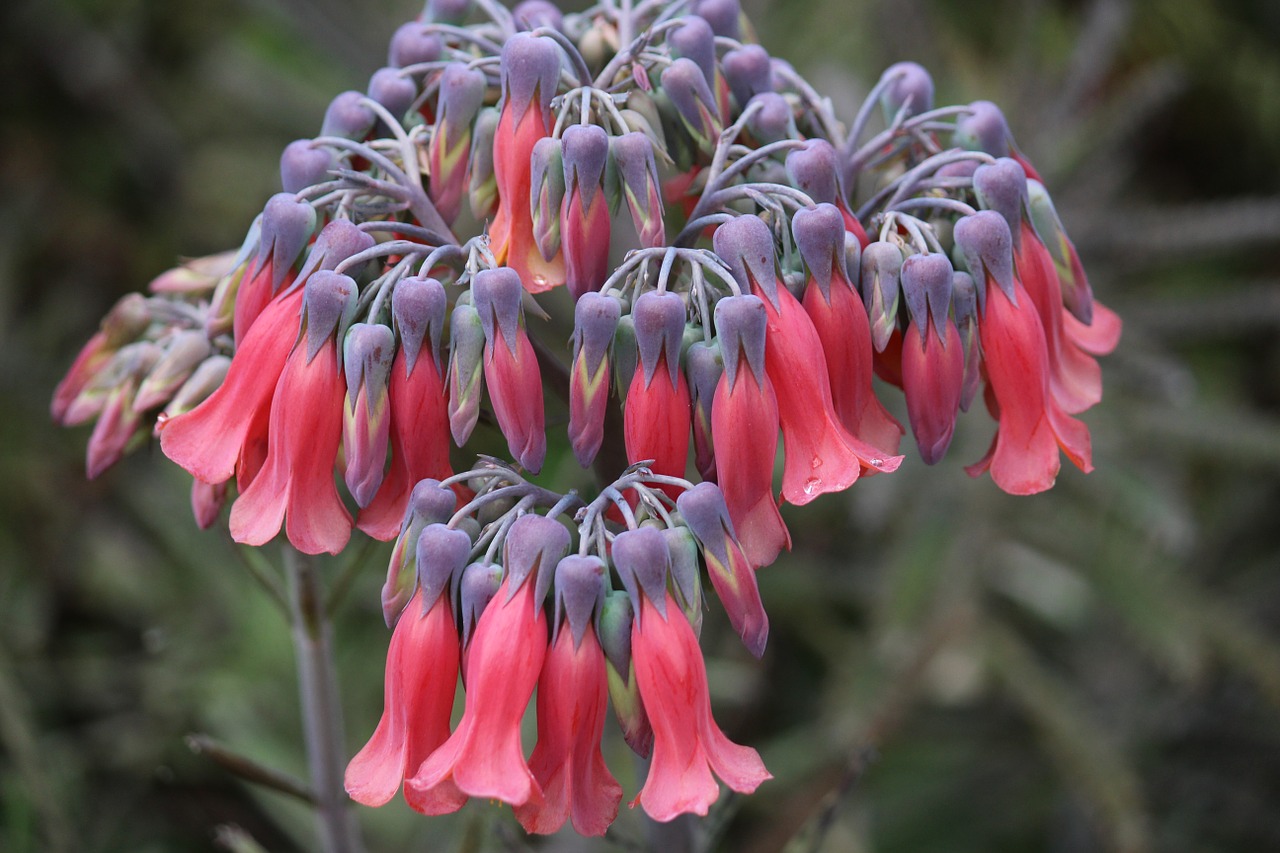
(656,418)
(584,212)
(932,354)
(595,320)
(366,417)
(448,153)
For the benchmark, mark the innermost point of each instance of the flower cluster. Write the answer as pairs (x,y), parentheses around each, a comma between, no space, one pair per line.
(391,298)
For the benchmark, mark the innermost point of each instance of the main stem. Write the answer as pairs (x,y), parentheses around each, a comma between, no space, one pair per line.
(321,711)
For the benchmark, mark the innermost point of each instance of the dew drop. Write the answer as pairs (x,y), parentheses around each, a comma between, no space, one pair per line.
(811,485)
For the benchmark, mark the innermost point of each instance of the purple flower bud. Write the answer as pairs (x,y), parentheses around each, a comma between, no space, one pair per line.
(203,381)
(724,16)
(287,225)
(958,169)
(392,90)
(819,235)
(774,120)
(909,86)
(413,44)
(984,129)
(1002,186)
(987,245)
(881,266)
(534,544)
(304,165)
(183,353)
(498,294)
(447,11)
(964,302)
(328,304)
(745,244)
(586,150)
(683,551)
(659,319)
(347,116)
(643,562)
(337,241)
(530,73)
(631,157)
(441,555)
(740,326)
(684,83)
(926,287)
(531,14)
(418,308)
(749,71)
(466,356)
(547,183)
(479,584)
(703,368)
(482,192)
(614,632)
(695,41)
(814,169)
(581,584)
(367,353)
(429,503)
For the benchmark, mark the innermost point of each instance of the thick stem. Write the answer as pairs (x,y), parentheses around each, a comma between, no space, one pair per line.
(321,710)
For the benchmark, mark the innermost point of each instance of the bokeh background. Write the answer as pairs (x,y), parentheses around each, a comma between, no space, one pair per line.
(950,668)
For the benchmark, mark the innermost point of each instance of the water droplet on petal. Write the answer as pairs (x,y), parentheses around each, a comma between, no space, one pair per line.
(811,485)
(815,463)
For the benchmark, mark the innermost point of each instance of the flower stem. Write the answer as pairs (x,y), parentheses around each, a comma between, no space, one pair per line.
(321,711)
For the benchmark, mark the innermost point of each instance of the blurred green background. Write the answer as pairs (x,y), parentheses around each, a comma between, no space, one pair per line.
(950,668)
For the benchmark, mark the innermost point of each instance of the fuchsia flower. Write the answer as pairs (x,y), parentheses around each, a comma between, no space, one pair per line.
(687,744)
(286,226)
(572,707)
(511,369)
(530,75)
(932,354)
(657,416)
(744,421)
(366,413)
(448,152)
(295,486)
(584,212)
(595,321)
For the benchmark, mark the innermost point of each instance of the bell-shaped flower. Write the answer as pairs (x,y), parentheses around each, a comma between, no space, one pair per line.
(466,369)
(483,757)
(366,417)
(744,425)
(584,212)
(684,83)
(815,168)
(1023,458)
(595,321)
(287,224)
(429,504)
(703,367)
(614,632)
(546,194)
(448,152)
(840,320)
(932,354)
(530,74)
(511,370)
(657,414)
(572,706)
(295,486)
(418,422)
(631,157)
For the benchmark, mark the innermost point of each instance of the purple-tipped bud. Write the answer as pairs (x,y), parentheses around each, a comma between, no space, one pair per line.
(626,355)
(530,73)
(482,191)
(964,301)
(547,182)
(595,319)
(643,562)
(694,40)
(183,353)
(908,86)
(749,72)
(441,556)
(534,545)
(206,379)
(367,353)
(586,151)
(815,169)
(413,44)
(614,632)
(447,11)
(393,90)
(466,369)
(819,234)
(959,169)
(926,287)
(461,94)
(479,584)
(745,244)
(418,307)
(740,326)
(328,304)
(687,583)
(531,14)
(348,116)
(703,368)
(631,157)
(337,241)
(1002,186)
(987,245)
(774,120)
(1077,295)
(686,87)
(724,16)
(984,129)
(429,503)
(498,294)
(881,267)
(581,584)
(304,165)
(659,319)
(287,225)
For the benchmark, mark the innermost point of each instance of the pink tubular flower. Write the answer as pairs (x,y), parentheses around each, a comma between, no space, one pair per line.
(421,679)
(511,369)
(687,744)
(584,212)
(658,415)
(595,321)
(295,486)
(932,374)
(744,423)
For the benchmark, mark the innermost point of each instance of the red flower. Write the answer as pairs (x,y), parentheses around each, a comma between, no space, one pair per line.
(421,679)
(566,761)
(511,369)
(687,744)
(584,213)
(932,378)
(658,415)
